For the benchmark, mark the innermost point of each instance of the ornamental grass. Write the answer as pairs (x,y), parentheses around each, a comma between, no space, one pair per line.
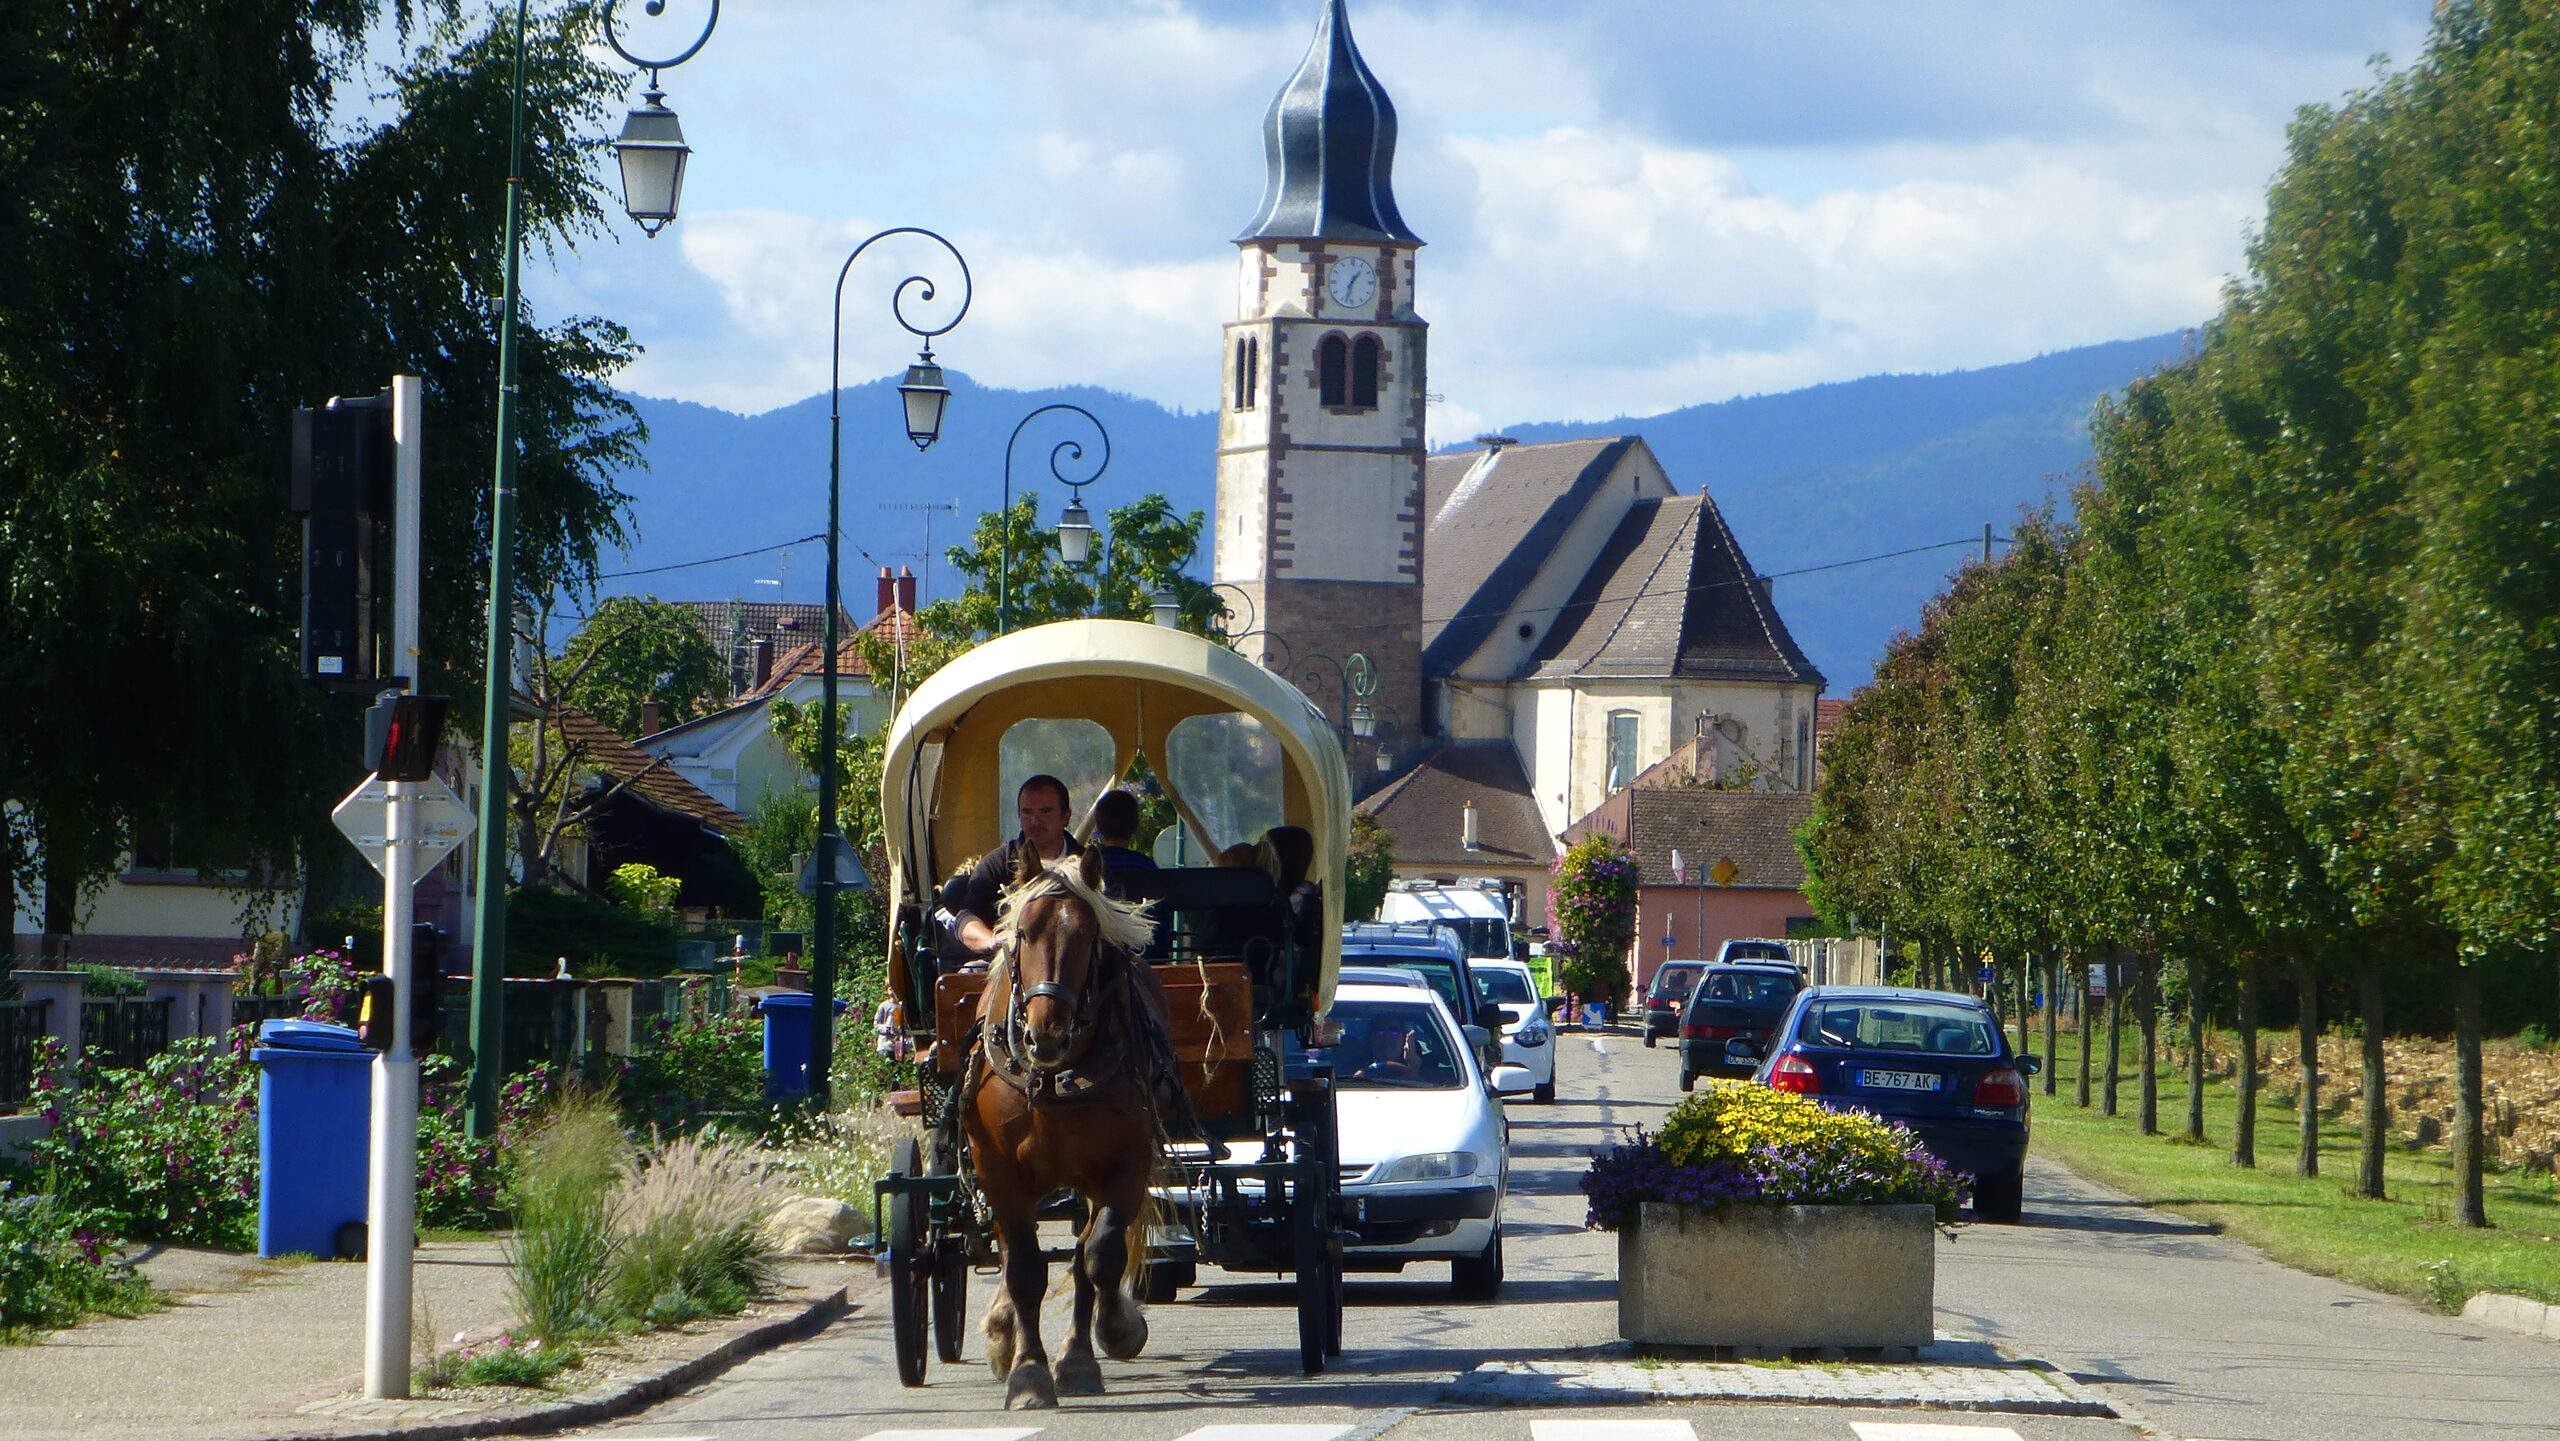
(1735,1143)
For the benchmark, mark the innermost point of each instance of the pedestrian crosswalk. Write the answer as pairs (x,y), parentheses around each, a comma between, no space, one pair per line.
(1668,1428)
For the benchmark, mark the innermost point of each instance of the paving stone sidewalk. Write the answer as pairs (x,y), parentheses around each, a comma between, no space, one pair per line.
(252,1348)
(1953,1375)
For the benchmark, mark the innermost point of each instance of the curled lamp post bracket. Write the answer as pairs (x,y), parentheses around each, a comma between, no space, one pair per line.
(656,8)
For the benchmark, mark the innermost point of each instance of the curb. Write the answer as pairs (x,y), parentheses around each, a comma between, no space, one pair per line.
(2520,1314)
(589,1407)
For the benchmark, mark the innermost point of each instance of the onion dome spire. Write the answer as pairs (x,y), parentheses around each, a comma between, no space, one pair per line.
(1330,141)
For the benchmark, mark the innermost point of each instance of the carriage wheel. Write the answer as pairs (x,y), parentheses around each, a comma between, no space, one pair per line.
(910,1266)
(950,1296)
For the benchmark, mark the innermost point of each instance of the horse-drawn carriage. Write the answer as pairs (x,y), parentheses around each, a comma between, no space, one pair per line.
(1024,1086)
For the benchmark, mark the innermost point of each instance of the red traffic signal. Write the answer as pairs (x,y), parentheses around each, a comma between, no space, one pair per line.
(401,734)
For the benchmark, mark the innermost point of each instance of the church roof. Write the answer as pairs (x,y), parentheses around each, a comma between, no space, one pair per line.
(1672,596)
(1425,808)
(1495,518)
(1330,142)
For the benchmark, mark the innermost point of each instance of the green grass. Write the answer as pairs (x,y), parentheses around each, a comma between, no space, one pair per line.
(2406,1245)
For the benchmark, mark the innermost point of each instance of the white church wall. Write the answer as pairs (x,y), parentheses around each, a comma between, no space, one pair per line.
(1342,520)
(1637,476)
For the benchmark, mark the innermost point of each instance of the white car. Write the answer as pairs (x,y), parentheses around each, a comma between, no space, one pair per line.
(1528,1038)
(1424,1151)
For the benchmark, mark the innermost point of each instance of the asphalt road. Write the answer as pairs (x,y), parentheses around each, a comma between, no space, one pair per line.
(1221,1364)
(2194,1335)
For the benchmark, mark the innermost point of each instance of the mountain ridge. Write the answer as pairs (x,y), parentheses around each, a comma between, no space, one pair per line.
(1808,479)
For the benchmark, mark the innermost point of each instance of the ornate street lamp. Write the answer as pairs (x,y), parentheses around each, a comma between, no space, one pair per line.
(1166,607)
(924,396)
(656,162)
(651,148)
(1075,526)
(1356,678)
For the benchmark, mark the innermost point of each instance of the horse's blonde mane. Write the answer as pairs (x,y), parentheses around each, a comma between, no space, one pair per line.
(1130,927)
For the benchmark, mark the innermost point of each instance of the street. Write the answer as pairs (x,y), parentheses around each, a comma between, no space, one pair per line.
(1221,1364)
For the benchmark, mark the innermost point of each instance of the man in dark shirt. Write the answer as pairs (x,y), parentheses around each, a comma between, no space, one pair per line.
(1115,832)
(1041,806)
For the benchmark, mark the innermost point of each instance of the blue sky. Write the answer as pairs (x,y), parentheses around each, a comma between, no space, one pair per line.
(1632,205)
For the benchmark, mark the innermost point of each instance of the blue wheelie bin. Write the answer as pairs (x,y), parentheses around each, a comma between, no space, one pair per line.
(788,1037)
(315,1112)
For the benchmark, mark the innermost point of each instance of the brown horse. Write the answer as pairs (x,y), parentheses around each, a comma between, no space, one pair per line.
(1060,1097)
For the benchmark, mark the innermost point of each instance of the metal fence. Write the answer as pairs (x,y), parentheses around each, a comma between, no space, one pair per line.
(21,1022)
(130,1030)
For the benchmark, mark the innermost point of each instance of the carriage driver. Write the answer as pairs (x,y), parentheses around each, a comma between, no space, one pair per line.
(1041,805)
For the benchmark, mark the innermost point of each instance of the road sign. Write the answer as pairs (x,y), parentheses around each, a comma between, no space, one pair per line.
(442,823)
(849,874)
(1724,872)
(1679,868)
(1985,973)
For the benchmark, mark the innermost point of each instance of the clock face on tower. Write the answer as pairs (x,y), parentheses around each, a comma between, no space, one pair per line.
(1351,281)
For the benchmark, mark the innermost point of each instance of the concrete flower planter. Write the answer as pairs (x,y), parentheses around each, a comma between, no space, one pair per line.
(1778,1277)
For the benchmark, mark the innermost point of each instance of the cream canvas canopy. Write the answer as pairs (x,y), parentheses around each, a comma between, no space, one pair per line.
(942,781)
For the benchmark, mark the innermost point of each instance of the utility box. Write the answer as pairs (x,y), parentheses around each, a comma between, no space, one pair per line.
(315,1113)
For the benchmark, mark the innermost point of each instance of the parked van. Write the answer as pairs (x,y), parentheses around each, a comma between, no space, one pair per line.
(1480,916)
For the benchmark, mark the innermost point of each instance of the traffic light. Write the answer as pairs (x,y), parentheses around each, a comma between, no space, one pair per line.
(342,463)
(374,996)
(401,733)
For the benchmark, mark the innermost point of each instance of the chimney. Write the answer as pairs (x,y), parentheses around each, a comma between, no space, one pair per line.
(906,590)
(888,592)
(649,716)
(1467,828)
(763,661)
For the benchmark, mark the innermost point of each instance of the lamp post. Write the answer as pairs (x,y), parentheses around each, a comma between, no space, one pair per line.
(923,396)
(653,155)
(1075,524)
(1354,677)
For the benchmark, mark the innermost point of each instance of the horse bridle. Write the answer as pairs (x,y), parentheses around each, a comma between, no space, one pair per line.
(1081,1020)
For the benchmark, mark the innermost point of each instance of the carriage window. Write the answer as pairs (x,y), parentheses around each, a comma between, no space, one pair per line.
(1079,752)
(1227,769)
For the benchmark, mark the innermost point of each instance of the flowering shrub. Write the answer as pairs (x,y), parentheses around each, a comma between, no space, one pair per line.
(691,1069)
(328,982)
(462,1183)
(53,1271)
(1736,1142)
(168,1152)
(501,1360)
(1591,907)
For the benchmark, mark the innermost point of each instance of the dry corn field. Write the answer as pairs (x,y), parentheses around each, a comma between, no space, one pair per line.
(2522,1089)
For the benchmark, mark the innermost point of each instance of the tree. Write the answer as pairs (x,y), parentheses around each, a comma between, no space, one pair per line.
(636,649)
(216,213)
(1591,908)
(1371,868)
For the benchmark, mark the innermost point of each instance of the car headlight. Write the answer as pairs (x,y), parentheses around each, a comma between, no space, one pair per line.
(1531,1035)
(1435,1166)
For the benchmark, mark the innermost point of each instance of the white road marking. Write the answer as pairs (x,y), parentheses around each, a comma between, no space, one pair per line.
(1612,1431)
(1907,1431)
(1266,1433)
(1598,1049)
(957,1433)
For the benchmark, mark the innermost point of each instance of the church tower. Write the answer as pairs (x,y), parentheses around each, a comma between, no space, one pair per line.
(1320,439)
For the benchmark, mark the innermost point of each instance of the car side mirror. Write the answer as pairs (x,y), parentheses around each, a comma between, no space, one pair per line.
(1740,1050)
(1512,1080)
(1491,1017)
(2027,1065)
(1477,1036)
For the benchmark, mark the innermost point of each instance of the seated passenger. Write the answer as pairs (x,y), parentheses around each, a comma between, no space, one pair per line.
(1115,833)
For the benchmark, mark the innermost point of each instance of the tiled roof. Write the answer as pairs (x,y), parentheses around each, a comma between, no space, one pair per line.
(803,661)
(651,778)
(1425,808)
(1495,516)
(1671,595)
(783,624)
(1755,829)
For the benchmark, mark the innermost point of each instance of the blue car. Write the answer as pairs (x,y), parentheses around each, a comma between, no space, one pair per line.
(1935,1061)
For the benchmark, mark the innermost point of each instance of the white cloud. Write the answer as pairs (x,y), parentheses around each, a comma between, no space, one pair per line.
(1631,208)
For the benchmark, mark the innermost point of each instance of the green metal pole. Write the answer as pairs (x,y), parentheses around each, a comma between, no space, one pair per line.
(489,922)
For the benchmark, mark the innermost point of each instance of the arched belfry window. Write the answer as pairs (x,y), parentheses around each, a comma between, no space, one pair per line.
(1365,354)
(1248,371)
(1333,364)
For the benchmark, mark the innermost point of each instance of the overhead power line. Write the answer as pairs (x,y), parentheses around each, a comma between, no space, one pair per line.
(714,560)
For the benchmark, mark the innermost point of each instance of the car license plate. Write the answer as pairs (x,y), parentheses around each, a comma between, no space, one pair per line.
(1898,1080)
